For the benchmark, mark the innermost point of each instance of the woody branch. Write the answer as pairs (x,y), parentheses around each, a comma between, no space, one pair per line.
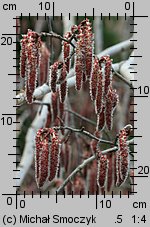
(85,163)
(121,68)
(84,132)
(39,120)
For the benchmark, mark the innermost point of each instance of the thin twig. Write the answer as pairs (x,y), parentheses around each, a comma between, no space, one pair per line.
(81,117)
(85,163)
(82,131)
(54,35)
(44,89)
(78,169)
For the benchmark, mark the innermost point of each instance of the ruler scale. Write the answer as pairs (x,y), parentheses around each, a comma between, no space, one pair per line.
(18,207)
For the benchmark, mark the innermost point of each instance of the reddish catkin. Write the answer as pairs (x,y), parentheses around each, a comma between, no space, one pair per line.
(41,157)
(37,154)
(101,119)
(53,76)
(23,56)
(54,154)
(66,50)
(115,168)
(102,168)
(107,71)
(63,91)
(79,61)
(111,103)
(86,28)
(28,92)
(89,53)
(99,95)
(117,177)
(47,155)
(122,163)
(63,83)
(108,74)
(110,171)
(44,160)
(94,79)
(31,61)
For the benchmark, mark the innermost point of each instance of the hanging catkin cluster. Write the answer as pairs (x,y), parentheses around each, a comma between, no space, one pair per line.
(58,75)
(83,53)
(104,96)
(47,154)
(83,59)
(66,48)
(113,168)
(30,62)
(107,170)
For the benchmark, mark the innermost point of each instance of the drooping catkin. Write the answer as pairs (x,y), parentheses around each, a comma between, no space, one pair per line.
(122,160)
(110,172)
(63,83)
(53,76)
(54,154)
(47,154)
(83,53)
(94,79)
(101,119)
(41,157)
(99,95)
(88,37)
(66,48)
(102,169)
(107,62)
(30,62)
(79,61)
(111,103)
(23,56)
